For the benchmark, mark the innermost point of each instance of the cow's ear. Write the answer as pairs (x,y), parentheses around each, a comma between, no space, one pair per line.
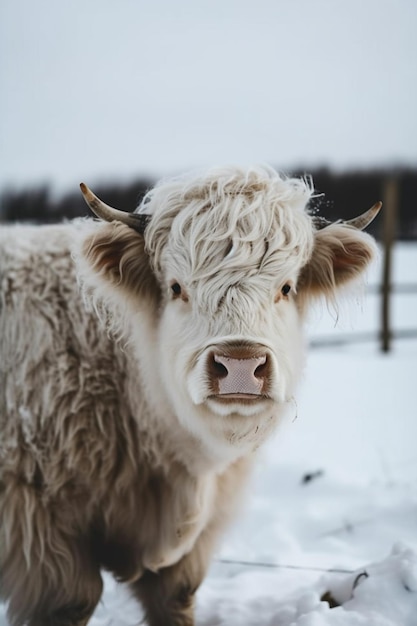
(340,255)
(116,253)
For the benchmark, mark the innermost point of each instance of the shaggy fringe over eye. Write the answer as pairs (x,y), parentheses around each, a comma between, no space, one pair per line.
(232,219)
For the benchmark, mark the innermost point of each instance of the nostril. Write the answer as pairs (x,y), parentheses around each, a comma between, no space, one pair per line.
(218,369)
(262,370)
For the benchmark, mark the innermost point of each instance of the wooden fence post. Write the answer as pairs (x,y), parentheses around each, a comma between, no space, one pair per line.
(389,212)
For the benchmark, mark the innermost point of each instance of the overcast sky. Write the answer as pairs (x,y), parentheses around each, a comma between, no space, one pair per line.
(102,90)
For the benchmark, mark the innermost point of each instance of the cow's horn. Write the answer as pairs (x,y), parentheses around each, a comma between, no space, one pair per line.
(137,221)
(366,218)
(360,222)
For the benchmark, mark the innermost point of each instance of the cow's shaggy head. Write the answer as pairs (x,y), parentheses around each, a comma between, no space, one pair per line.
(215,288)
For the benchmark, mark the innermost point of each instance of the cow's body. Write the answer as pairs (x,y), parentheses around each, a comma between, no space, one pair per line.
(126,432)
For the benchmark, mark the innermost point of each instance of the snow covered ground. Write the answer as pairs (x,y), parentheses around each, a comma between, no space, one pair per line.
(332,506)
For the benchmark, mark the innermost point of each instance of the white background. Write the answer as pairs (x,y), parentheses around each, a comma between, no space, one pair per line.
(106,91)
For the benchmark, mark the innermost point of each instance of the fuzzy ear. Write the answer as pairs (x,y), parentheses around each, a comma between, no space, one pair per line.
(117,253)
(340,255)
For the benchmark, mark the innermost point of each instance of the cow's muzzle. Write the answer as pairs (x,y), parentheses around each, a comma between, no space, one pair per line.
(239,371)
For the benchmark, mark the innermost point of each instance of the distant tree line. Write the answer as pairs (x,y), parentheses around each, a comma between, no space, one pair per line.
(339,195)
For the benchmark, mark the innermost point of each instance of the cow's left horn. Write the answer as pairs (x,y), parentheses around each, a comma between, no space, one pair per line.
(109,214)
(360,222)
(366,218)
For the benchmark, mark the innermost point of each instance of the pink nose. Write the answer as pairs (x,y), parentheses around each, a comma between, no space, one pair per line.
(240,376)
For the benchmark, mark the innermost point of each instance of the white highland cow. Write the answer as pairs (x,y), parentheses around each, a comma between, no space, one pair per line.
(145,357)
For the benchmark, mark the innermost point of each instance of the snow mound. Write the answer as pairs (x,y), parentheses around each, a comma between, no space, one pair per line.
(381,594)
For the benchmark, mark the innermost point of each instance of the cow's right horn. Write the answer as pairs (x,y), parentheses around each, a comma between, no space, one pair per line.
(137,221)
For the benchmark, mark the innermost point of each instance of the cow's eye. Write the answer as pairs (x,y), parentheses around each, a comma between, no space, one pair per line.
(176,289)
(286,289)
